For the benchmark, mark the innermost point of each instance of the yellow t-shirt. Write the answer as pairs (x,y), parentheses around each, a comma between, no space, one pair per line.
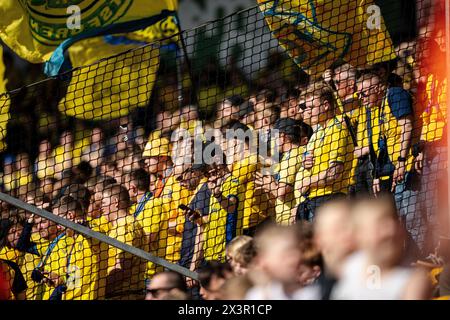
(100,224)
(285,172)
(57,261)
(62,159)
(150,220)
(171,233)
(328,145)
(45,168)
(9,254)
(354,119)
(86,269)
(435,115)
(223,227)
(16,180)
(384,121)
(256,202)
(126,230)
(28,261)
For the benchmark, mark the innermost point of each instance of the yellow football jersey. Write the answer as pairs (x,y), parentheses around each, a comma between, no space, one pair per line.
(285,172)
(86,269)
(222,226)
(126,230)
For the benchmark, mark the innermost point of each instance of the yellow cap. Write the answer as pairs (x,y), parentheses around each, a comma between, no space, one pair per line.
(157,147)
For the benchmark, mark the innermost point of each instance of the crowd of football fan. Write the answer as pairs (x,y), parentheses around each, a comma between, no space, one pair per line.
(351,209)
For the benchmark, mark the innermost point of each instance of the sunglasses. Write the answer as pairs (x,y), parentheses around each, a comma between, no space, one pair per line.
(302,106)
(363,94)
(368,92)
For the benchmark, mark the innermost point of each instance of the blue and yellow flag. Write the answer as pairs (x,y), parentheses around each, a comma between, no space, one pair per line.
(42,30)
(100,88)
(316,33)
(35,28)
(112,87)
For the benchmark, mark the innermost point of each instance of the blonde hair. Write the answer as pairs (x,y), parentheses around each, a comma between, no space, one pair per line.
(346,67)
(265,239)
(320,90)
(235,244)
(245,254)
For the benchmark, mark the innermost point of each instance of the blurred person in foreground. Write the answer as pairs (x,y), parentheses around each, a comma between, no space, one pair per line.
(12,282)
(333,238)
(244,258)
(275,266)
(236,288)
(212,277)
(375,271)
(167,286)
(311,263)
(234,246)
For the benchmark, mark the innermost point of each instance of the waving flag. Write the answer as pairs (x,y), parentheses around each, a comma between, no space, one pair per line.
(35,29)
(112,87)
(316,33)
(100,88)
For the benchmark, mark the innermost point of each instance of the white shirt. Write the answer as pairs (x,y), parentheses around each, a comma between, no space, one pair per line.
(275,291)
(361,281)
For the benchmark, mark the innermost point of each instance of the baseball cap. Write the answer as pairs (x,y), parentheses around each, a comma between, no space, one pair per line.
(288,126)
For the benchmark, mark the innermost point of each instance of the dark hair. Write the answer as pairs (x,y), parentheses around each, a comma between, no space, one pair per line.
(394,80)
(235,100)
(141,179)
(211,269)
(305,130)
(120,192)
(265,94)
(84,171)
(68,203)
(290,128)
(5,225)
(79,192)
(103,182)
(236,124)
(290,93)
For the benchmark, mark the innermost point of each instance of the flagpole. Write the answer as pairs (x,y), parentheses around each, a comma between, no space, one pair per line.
(188,64)
(179,77)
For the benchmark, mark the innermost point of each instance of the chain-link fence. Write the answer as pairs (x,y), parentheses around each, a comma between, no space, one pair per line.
(160,155)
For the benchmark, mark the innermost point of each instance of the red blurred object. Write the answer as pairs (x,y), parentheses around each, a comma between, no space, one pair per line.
(5,290)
